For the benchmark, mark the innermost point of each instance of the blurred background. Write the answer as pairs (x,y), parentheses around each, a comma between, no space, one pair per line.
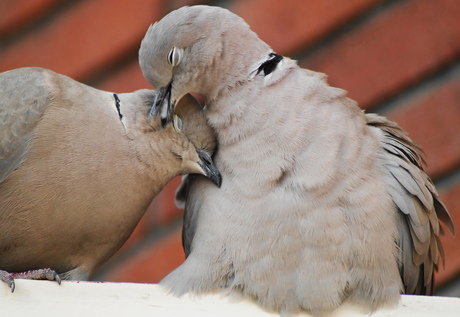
(399,58)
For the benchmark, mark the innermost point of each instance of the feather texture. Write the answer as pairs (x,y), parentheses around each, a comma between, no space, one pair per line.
(417,199)
(79,167)
(320,203)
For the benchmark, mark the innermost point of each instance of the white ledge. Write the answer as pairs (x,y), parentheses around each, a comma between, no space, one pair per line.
(45,298)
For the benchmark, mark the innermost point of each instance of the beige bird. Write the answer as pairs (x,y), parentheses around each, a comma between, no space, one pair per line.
(79,167)
(320,203)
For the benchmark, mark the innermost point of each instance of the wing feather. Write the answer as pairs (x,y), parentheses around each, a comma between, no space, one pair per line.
(21,108)
(414,194)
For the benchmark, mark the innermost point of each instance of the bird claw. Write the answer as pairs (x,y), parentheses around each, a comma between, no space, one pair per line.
(12,285)
(41,274)
(8,279)
(56,278)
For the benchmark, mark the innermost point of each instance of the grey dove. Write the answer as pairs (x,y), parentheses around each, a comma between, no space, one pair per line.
(79,167)
(320,203)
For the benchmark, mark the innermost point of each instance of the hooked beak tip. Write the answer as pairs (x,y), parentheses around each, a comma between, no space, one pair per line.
(217,180)
(209,168)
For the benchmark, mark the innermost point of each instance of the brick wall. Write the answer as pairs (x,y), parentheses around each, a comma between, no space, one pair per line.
(399,58)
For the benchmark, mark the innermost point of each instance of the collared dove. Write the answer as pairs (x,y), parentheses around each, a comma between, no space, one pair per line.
(320,203)
(79,167)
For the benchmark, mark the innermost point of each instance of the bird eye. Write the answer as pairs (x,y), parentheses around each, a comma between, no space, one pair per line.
(175,56)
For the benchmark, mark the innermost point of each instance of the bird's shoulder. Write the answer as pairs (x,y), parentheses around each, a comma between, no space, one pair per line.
(25,95)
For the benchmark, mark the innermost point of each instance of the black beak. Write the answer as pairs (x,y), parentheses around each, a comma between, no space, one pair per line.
(209,168)
(162,105)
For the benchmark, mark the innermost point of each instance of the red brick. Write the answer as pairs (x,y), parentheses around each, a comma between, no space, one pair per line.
(392,50)
(90,36)
(16,14)
(433,121)
(450,197)
(152,263)
(140,232)
(163,210)
(161,213)
(288,26)
(176,4)
(127,79)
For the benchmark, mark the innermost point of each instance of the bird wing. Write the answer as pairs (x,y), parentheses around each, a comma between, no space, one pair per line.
(415,196)
(24,98)
(189,197)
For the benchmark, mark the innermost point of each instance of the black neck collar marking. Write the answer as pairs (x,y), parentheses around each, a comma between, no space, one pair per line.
(117,104)
(270,64)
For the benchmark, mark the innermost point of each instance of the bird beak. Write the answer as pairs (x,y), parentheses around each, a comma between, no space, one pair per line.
(210,170)
(162,106)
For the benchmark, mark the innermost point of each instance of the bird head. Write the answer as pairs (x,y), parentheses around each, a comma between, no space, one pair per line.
(189,138)
(192,49)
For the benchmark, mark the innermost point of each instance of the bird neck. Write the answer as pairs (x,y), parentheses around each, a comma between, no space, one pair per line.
(246,104)
(150,165)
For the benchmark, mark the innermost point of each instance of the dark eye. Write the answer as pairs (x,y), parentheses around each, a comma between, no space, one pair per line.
(175,56)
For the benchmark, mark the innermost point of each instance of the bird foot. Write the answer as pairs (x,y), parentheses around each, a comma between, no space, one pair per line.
(8,279)
(41,274)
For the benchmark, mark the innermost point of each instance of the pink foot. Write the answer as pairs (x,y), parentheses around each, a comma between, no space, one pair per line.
(41,274)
